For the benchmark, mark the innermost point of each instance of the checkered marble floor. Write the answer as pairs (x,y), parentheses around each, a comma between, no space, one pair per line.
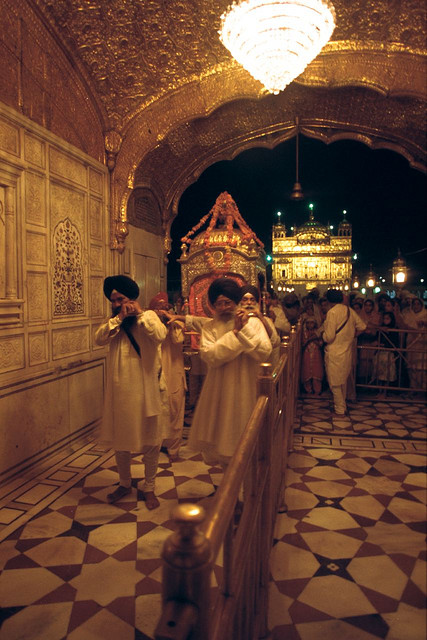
(348,560)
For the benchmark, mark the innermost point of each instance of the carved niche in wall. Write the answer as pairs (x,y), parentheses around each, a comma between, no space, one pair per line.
(68,270)
(143,210)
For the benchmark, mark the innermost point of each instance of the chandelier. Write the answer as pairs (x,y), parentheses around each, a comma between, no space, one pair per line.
(276,39)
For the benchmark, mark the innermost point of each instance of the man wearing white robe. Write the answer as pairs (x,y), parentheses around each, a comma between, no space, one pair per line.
(340,328)
(250,302)
(132,398)
(232,345)
(173,372)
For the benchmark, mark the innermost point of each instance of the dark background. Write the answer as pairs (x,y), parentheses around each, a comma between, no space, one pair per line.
(383,196)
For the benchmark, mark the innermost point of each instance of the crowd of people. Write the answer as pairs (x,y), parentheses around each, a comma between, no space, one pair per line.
(146,382)
(391,351)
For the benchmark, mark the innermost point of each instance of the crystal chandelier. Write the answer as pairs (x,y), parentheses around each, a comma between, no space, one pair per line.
(276,39)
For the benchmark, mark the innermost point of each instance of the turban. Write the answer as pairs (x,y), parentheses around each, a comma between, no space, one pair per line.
(291,300)
(160,297)
(249,288)
(124,285)
(334,295)
(224,287)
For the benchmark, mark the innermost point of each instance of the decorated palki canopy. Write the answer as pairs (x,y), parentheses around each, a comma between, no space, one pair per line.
(220,244)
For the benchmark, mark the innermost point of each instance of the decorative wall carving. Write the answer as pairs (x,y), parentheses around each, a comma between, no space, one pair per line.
(96,258)
(12,353)
(9,138)
(144,211)
(95,218)
(38,79)
(37,297)
(34,150)
(96,181)
(66,202)
(96,300)
(37,348)
(36,249)
(66,166)
(68,284)
(35,199)
(70,341)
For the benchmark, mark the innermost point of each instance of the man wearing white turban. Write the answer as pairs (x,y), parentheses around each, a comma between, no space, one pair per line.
(233,345)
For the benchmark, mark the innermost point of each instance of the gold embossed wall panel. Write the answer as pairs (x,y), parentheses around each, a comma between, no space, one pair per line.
(57,199)
(12,353)
(35,150)
(9,138)
(38,297)
(38,348)
(70,341)
(36,249)
(39,79)
(35,199)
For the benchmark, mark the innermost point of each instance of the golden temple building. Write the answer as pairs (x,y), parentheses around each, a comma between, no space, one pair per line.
(311,257)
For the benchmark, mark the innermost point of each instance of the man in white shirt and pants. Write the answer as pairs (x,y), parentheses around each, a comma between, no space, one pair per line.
(340,328)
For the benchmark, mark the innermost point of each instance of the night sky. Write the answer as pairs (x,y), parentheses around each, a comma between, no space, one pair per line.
(384,198)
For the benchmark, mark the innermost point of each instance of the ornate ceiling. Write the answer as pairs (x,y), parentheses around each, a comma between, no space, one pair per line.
(175,101)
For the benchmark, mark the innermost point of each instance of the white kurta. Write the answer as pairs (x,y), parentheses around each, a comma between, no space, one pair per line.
(229,392)
(174,373)
(338,350)
(132,397)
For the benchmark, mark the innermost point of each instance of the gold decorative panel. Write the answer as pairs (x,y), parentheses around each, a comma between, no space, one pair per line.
(35,199)
(66,166)
(12,353)
(96,258)
(95,218)
(36,249)
(66,202)
(68,283)
(34,150)
(37,297)
(69,341)
(40,79)
(96,181)
(9,138)
(38,348)
(96,300)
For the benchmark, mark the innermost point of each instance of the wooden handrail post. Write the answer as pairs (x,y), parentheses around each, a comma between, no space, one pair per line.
(284,344)
(186,578)
(264,380)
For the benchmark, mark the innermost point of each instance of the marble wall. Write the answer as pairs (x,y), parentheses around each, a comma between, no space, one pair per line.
(54,255)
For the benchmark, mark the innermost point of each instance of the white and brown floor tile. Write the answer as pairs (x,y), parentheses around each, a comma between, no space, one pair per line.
(348,560)
(349,557)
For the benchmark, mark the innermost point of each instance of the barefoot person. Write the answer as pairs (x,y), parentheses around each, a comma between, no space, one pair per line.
(132,398)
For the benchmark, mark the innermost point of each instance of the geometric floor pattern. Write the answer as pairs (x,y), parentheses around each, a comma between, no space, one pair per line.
(348,560)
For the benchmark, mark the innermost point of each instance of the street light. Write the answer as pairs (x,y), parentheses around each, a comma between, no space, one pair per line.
(371,278)
(399,269)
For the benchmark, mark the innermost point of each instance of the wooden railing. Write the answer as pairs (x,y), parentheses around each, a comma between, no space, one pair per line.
(240,523)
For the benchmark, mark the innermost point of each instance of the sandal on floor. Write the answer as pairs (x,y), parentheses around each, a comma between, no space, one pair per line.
(150,500)
(119,493)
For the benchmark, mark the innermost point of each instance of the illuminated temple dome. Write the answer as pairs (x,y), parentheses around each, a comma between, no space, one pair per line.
(312,232)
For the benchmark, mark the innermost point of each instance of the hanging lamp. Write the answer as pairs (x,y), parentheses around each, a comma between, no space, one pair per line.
(297,192)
